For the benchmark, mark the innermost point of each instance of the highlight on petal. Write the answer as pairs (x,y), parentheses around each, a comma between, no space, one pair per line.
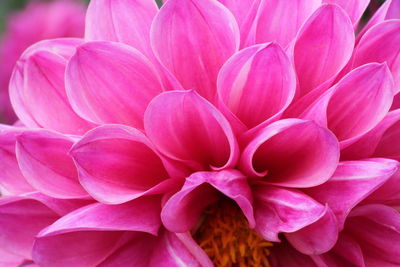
(276,21)
(100,229)
(182,211)
(44,161)
(356,104)
(280,210)
(239,8)
(352,182)
(125,21)
(292,153)
(328,36)
(37,89)
(117,163)
(185,127)
(111,83)
(195,58)
(11,179)
(354,8)
(259,76)
(381,44)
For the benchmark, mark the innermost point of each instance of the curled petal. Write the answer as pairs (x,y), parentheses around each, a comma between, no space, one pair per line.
(182,211)
(195,58)
(11,178)
(352,182)
(260,76)
(187,128)
(125,21)
(117,163)
(356,104)
(37,90)
(328,36)
(279,210)
(44,161)
(381,44)
(111,83)
(292,153)
(354,8)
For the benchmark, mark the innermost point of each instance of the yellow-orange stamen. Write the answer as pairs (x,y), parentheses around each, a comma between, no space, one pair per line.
(225,236)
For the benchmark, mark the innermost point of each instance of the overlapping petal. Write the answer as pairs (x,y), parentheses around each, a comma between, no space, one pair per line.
(354,8)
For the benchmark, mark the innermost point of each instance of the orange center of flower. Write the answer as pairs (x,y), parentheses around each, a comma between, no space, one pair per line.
(225,236)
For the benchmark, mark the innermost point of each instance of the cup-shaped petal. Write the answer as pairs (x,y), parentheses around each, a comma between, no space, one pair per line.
(381,44)
(293,153)
(352,182)
(125,21)
(199,38)
(44,161)
(260,76)
(37,89)
(275,21)
(117,163)
(356,104)
(328,37)
(187,128)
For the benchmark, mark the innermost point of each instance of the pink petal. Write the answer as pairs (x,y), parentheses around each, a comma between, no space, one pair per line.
(356,104)
(318,237)
(38,94)
(11,178)
(8,259)
(348,250)
(182,211)
(187,128)
(377,229)
(292,153)
(125,21)
(118,163)
(388,145)
(352,182)
(367,144)
(284,255)
(279,210)
(260,76)
(354,8)
(195,58)
(111,83)
(100,229)
(328,36)
(239,8)
(381,44)
(388,193)
(276,21)
(44,161)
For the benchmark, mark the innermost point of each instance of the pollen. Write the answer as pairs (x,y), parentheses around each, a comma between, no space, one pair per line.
(225,236)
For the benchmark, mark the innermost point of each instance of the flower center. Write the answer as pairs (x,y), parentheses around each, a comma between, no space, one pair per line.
(225,236)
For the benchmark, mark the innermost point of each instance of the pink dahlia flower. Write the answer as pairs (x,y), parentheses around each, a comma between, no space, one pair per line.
(38,21)
(231,133)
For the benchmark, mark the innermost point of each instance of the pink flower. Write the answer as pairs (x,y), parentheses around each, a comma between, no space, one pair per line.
(239,133)
(38,21)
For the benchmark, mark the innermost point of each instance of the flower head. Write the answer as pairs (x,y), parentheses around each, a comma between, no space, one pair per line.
(209,133)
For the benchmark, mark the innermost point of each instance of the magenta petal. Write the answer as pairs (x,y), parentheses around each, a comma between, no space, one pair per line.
(356,104)
(352,182)
(11,178)
(292,153)
(388,193)
(195,58)
(381,44)
(354,8)
(8,259)
(111,83)
(38,94)
(377,229)
(276,21)
(44,161)
(187,128)
(239,8)
(100,229)
(125,21)
(182,211)
(388,146)
(284,255)
(318,237)
(117,163)
(328,36)
(260,76)
(279,210)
